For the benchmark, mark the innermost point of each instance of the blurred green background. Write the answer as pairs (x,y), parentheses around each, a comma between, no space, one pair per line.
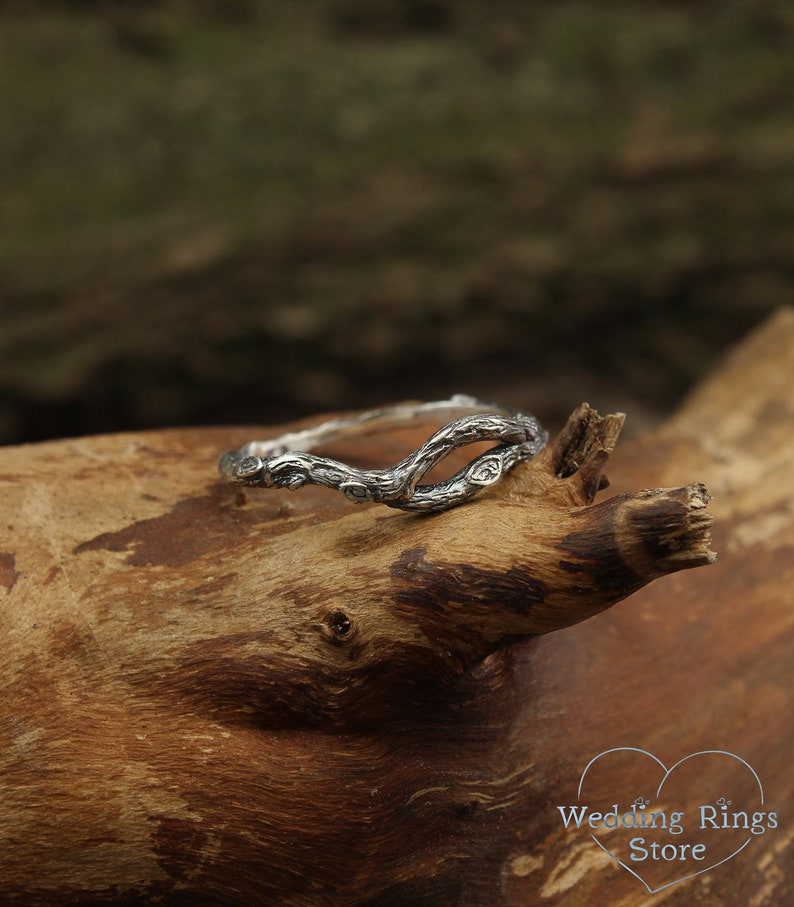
(222,212)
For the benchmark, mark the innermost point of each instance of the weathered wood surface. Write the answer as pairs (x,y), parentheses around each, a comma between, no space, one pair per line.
(280,698)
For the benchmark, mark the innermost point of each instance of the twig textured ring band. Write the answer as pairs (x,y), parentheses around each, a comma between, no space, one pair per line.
(285,461)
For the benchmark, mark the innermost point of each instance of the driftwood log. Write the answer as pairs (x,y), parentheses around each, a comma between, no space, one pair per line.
(235,698)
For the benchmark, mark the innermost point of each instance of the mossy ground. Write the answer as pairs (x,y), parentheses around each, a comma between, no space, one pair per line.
(223,212)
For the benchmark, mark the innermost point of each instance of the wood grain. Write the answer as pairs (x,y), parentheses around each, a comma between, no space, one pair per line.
(282,698)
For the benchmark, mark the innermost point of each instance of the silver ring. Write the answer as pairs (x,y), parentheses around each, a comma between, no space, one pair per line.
(285,461)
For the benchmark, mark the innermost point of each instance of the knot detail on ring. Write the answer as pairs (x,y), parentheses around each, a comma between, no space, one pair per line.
(285,462)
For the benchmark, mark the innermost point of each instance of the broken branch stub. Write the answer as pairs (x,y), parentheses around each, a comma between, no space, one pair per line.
(537,555)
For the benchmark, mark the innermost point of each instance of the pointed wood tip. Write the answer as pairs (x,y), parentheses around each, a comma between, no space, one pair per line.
(581,450)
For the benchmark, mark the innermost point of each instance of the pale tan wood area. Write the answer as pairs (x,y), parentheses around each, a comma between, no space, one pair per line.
(271,697)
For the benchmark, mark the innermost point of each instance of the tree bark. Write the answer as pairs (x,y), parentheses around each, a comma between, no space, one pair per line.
(274,697)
